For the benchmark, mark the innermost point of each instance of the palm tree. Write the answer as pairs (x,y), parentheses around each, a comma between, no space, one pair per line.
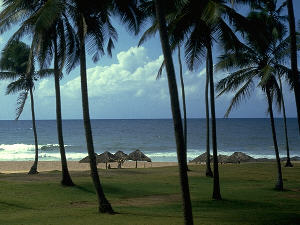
(40,17)
(208,171)
(256,61)
(181,155)
(183,101)
(17,63)
(293,49)
(52,44)
(288,159)
(92,21)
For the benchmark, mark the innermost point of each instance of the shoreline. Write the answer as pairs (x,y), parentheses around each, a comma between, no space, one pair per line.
(7,167)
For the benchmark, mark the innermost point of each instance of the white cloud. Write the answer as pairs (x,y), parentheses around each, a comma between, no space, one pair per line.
(133,75)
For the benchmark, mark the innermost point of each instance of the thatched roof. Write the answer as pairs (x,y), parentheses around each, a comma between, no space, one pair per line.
(119,155)
(86,159)
(105,157)
(201,158)
(239,157)
(137,155)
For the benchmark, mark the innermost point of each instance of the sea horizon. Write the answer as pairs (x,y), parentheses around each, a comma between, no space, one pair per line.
(155,137)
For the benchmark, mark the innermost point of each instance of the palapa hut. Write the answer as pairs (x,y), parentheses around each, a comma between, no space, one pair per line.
(106,157)
(137,155)
(86,159)
(120,157)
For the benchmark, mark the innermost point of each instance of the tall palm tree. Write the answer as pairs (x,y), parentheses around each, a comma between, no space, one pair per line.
(293,48)
(256,61)
(92,21)
(39,17)
(208,171)
(198,23)
(52,44)
(181,155)
(288,159)
(183,101)
(17,63)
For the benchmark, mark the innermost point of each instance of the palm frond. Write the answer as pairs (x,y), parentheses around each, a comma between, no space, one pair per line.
(44,73)
(21,103)
(159,73)
(16,86)
(8,75)
(150,32)
(233,81)
(243,93)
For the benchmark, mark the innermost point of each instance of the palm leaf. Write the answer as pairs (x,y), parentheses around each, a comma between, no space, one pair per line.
(21,103)
(243,92)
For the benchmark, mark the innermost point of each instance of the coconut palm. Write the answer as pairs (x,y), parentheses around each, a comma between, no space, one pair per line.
(92,21)
(293,53)
(17,64)
(181,155)
(39,17)
(256,61)
(196,24)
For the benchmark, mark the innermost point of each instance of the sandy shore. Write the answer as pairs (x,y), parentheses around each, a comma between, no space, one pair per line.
(24,166)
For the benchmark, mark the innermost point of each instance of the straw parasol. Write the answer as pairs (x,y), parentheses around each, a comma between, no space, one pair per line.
(120,157)
(86,159)
(137,155)
(105,157)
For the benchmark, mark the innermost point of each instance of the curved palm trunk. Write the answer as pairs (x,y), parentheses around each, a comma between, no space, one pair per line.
(288,159)
(104,205)
(294,65)
(183,103)
(208,172)
(181,154)
(216,189)
(66,178)
(33,169)
(279,184)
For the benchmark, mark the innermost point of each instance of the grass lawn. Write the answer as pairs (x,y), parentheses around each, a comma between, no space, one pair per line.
(152,196)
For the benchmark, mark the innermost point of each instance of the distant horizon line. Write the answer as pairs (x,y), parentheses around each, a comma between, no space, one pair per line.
(156,118)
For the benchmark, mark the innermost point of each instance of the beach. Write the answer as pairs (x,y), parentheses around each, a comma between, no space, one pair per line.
(24,166)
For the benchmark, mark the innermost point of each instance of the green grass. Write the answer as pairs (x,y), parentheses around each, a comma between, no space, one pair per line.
(152,196)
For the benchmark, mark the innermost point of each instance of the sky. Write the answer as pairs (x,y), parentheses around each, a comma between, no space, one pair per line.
(125,87)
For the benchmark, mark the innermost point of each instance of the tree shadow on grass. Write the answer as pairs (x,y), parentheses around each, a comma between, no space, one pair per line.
(230,204)
(85,189)
(14,205)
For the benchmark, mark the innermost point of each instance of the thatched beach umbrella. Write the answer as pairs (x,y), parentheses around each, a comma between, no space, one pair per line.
(137,155)
(86,159)
(201,158)
(120,157)
(105,157)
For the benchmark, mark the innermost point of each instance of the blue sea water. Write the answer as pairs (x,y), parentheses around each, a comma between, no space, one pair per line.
(154,137)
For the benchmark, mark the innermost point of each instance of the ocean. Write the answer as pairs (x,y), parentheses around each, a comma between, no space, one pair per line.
(155,137)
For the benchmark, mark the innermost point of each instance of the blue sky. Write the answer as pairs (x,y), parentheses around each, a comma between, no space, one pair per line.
(124,86)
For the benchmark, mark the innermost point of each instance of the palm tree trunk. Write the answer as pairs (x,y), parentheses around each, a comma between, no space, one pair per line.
(183,103)
(33,169)
(181,154)
(208,172)
(279,184)
(288,159)
(294,65)
(104,205)
(216,189)
(66,178)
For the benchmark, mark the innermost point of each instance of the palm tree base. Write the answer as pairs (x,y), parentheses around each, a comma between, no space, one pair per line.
(279,186)
(288,164)
(33,170)
(67,182)
(209,173)
(106,208)
(217,197)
